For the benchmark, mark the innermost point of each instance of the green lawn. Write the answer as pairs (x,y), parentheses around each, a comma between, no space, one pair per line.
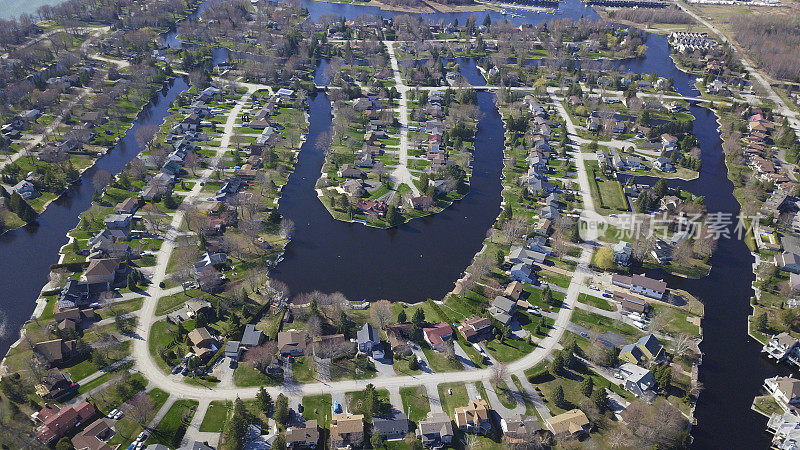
(606,193)
(439,362)
(355,398)
(318,407)
(246,376)
(415,402)
(601,324)
(510,350)
(303,369)
(597,302)
(216,416)
(459,397)
(172,427)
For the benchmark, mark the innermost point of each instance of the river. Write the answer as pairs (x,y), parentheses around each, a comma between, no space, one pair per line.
(28,252)
(423,258)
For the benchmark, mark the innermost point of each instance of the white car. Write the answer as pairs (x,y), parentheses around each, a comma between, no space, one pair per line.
(593,287)
(112,413)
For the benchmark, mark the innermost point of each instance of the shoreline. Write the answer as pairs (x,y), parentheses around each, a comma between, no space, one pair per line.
(66,189)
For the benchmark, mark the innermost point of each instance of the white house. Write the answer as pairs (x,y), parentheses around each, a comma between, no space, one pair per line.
(637,380)
(785,391)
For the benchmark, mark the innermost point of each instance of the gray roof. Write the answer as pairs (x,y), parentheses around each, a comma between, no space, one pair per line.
(232,346)
(504,303)
(436,423)
(367,334)
(251,336)
(397,424)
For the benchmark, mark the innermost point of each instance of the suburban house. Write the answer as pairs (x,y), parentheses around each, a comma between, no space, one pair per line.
(538,243)
(646,348)
(782,346)
(306,436)
(252,336)
(101,271)
(120,223)
(573,422)
(631,303)
(519,428)
(397,335)
(663,164)
(347,431)
(292,342)
(648,287)
(369,341)
(638,380)
(474,418)
(788,261)
(233,349)
(476,329)
(514,290)
(523,255)
(25,189)
(436,335)
(522,272)
(503,309)
(203,343)
(391,429)
(127,206)
(55,351)
(58,422)
(785,391)
(95,437)
(641,284)
(436,430)
(622,253)
(55,385)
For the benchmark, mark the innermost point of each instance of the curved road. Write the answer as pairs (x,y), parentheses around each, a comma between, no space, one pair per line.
(175,386)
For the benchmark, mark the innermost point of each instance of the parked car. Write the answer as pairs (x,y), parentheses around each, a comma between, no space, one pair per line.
(112,413)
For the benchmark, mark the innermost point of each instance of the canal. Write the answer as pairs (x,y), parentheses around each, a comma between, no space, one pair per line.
(423,258)
(28,252)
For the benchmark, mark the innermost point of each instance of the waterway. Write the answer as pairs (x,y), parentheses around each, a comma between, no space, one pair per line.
(29,251)
(422,259)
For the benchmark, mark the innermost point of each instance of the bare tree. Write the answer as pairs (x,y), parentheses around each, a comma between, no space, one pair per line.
(262,356)
(100,180)
(381,313)
(141,409)
(499,373)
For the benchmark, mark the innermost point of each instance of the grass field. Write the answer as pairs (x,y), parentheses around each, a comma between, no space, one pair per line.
(415,402)
(318,407)
(597,302)
(172,427)
(216,416)
(459,396)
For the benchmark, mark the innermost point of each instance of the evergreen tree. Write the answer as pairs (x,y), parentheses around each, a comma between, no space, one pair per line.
(281,414)
(279,443)
(587,386)
(132,280)
(558,363)
(393,216)
(760,322)
(377,441)
(419,317)
(558,397)
(236,428)
(264,401)
(600,399)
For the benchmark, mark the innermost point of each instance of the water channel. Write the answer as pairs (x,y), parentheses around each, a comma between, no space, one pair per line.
(423,258)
